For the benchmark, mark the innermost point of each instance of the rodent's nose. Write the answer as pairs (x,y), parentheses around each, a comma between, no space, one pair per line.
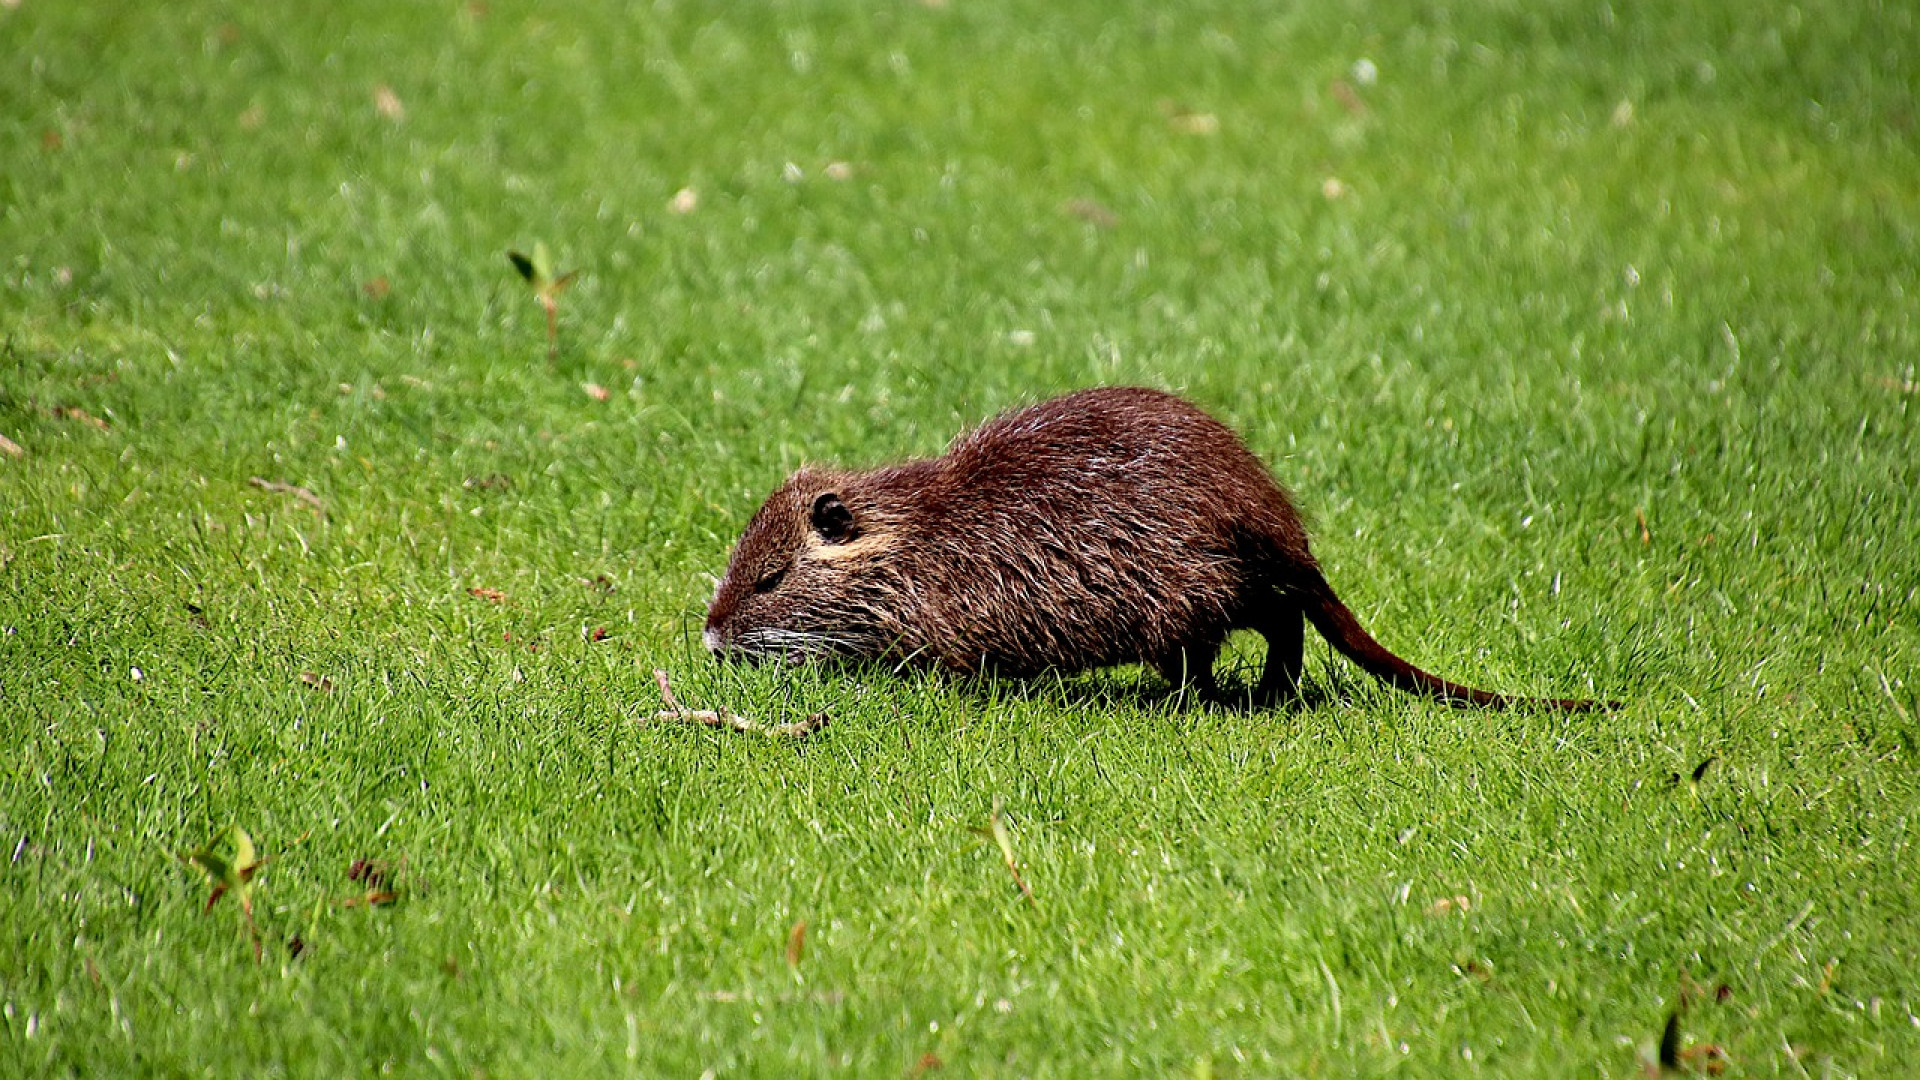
(711,638)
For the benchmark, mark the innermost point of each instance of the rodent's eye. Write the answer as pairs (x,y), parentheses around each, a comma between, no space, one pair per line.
(769,582)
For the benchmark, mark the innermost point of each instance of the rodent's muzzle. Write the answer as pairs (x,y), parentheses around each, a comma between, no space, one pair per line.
(723,647)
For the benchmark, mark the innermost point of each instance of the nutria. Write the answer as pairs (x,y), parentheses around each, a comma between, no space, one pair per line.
(1109,526)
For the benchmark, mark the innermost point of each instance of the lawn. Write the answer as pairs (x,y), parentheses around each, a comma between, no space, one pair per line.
(1585,333)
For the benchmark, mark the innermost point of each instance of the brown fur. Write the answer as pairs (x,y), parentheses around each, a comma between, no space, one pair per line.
(1109,526)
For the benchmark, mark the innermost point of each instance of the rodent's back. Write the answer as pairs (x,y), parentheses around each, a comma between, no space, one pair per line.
(1106,526)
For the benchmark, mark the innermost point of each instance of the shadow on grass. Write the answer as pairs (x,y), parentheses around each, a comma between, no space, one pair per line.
(840,686)
(1125,688)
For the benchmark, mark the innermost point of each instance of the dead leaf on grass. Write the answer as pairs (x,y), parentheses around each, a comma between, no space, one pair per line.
(371,898)
(11,448)
(387,103)
(1192,123)
(1092,213)
(928,1062)
(378,288)
(796,943)
(378,879)
(595,391)
(484,593)
(1349,98)
(490,482)
(317,681)
(1448,904)
(1711,1058)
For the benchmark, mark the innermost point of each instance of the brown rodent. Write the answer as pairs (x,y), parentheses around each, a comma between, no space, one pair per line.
(1109,526)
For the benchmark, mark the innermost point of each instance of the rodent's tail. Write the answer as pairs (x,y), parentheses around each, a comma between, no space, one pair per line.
(1338,625)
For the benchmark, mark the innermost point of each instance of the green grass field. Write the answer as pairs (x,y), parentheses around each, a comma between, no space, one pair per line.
(1586,334)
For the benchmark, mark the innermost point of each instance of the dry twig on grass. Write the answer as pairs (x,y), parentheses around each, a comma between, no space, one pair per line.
(294,490)
(73,412)
(727,718)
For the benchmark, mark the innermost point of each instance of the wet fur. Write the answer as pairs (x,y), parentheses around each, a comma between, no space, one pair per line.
(1109,526)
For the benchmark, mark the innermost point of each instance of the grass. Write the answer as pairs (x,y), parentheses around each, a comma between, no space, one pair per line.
(1585,332)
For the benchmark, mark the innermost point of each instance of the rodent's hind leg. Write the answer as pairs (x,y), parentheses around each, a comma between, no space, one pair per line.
(1284,627)
(1191,666)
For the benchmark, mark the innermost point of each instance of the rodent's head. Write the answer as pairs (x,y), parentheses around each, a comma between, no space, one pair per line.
(806,578)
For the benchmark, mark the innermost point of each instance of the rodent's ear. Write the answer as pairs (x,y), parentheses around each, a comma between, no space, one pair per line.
(832,520)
